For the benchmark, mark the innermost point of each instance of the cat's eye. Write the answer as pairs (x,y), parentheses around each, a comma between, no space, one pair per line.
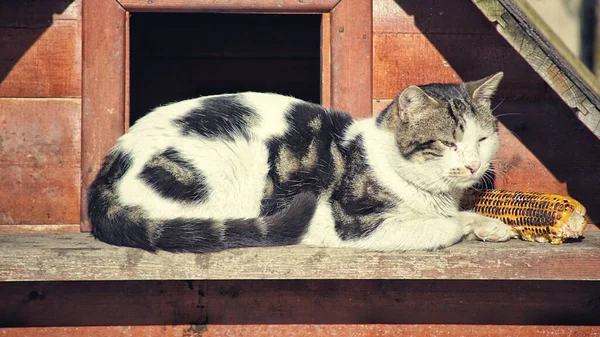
(450,145)
(482,139)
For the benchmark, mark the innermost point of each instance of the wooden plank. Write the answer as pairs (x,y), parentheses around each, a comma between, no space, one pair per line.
(304,330)
(406,59)
(247,6)
(32,66)
(429,17)
(103,88)
(352,57)
(62,257)
(37,228)
(37,13)
(571,80)
(326,59)
(209,304)
(39,161)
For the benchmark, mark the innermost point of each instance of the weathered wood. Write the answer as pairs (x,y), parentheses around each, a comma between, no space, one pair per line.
(572,81)
(39,161)
(352,57)
(32,66)
(326,59)
(40,228)
(403,59)
(310,330)
(79,257)
(301,302)
(246,6)
(103,103)
(446,17)
(37,13)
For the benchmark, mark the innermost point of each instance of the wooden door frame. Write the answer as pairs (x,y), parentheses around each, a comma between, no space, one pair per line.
(346,62)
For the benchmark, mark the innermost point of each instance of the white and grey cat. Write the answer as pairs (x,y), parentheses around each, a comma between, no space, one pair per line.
(257,169)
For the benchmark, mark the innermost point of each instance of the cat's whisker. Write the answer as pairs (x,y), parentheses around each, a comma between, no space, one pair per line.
(497,105)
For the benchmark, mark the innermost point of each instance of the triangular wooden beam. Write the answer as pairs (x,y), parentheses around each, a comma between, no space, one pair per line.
(525,31)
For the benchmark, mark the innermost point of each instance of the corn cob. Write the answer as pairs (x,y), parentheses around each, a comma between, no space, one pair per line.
(533,216)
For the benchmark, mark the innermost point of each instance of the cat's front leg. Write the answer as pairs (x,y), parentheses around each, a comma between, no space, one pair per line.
(480,227)
(395,233)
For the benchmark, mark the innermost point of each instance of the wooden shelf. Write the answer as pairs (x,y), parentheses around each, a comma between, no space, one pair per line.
(78,257)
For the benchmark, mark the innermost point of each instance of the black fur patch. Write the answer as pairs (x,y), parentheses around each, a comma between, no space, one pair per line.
(288,226)
(222,117)
(309,125)
(112,223)
(189,235)
(359,202)
(243,233)
(426,147)
(174,178)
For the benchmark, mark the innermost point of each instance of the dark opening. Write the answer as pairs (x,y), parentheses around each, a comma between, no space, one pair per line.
(180,56)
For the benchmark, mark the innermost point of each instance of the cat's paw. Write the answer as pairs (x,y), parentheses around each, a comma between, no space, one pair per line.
(488,229)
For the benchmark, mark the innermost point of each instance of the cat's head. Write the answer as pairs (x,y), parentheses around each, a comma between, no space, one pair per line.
(446,133)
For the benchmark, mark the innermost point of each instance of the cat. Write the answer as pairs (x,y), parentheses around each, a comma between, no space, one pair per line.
(260,169)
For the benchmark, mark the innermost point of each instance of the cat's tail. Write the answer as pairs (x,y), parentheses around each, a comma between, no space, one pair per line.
(285,227)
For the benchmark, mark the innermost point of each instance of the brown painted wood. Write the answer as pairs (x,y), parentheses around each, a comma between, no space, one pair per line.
(450,58)
(246,6)
(64,257)
(535,42)
(429,17)
(103,86)
(39,161)
(326,59)
(47,228)
(31,65)
(206,304)
(352,57)
(310,330)
(37,13)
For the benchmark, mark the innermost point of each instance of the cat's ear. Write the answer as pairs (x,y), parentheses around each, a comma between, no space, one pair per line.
(411,101)
(484,89)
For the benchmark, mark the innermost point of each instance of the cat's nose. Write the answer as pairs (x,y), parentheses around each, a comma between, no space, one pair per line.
(473,166)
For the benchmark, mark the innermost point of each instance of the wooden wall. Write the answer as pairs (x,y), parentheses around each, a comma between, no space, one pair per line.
(40,115)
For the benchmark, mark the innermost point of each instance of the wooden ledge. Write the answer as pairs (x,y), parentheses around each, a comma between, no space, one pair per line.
(78,257)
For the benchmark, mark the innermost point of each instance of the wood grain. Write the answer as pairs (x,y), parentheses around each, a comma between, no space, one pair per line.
(247,6)
(326,59)
(103,107)
(406,59)
(429,17)
(39,161)
(351,57)
(206,304)
(37,13)
(62,257)
(37,228)
(527,34)
(31,65)
(305,330)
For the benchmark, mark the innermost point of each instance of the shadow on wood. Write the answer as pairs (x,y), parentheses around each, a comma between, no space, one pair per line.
(299,302)
(21,25)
